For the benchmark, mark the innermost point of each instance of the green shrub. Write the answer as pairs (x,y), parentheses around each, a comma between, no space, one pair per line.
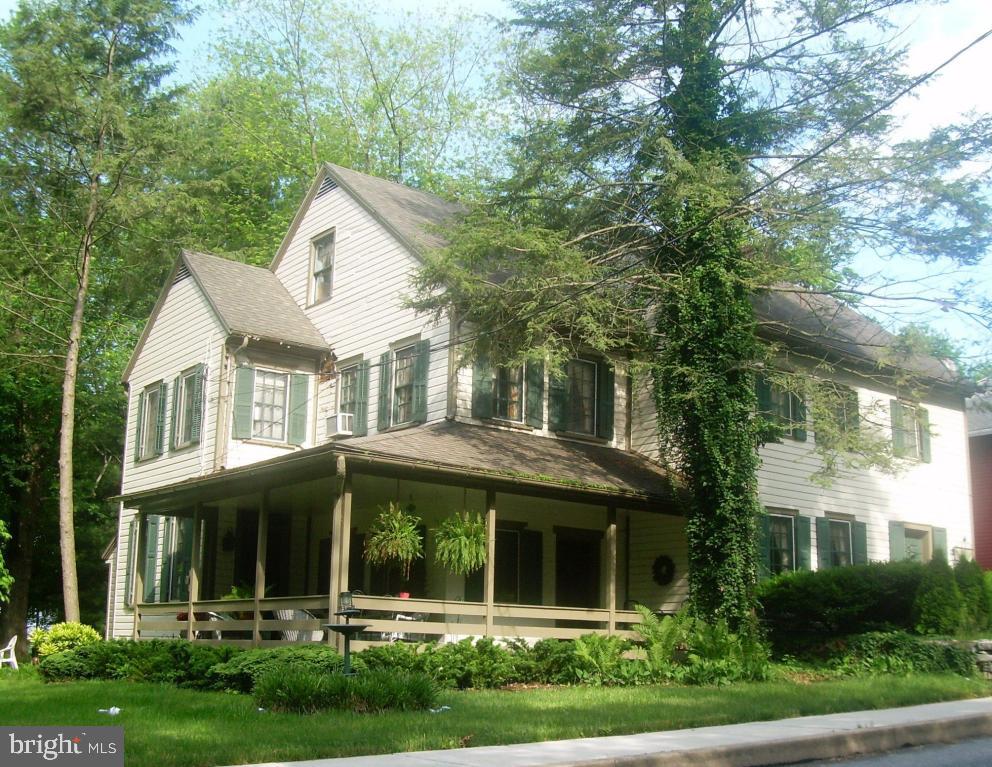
(61,637)
(971,583)
(240,673)
(396,656)
(549,661)
(467,664)
(896,652)
(939,607)
(599,660)
(807,608)
(304,690)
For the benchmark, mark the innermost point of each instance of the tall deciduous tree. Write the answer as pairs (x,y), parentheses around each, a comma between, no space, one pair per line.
(81,84)
(690,155)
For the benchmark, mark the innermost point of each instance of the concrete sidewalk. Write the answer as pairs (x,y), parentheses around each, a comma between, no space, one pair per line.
(736,745)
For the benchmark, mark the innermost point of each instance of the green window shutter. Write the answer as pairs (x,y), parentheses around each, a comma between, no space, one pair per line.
(150,555)
(822,543)
(421,371)
(940,543)
(385,391)
(196,423)
(137,427)
(803,544)
(897,541)
(482,388)
(799,417)
(163,401)
(605,378)
(764,547)
(558,400)
(534,412)
(164,581)
(923,419)
(859,543)
(244,401)
(130,561)
(764,391)
(360,427)
(299,387)
(898,417)
(175,412)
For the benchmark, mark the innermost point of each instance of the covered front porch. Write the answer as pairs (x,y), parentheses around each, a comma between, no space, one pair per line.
(259,556)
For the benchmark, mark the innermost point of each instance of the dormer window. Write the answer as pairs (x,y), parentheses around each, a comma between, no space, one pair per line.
(323,267)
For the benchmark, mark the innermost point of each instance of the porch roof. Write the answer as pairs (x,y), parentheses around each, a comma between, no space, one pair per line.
(451,453)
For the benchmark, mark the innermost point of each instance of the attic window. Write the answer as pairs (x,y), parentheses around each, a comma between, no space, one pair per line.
(181,274)
(327,185)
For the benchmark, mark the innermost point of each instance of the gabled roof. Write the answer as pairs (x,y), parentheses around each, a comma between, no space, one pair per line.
(248,301)
(823,325)
(410,215)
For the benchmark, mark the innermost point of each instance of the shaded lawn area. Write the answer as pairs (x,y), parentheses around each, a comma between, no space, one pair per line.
(168,727)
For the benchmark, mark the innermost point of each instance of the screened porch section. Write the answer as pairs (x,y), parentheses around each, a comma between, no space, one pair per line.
(268,567)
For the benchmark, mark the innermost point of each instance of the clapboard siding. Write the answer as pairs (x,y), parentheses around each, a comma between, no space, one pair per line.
(365,313)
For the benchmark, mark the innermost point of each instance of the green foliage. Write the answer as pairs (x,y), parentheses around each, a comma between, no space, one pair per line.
(549,661)
(470,664)
(975,592)
(61,637)
(896,652)
(398,656)
(460,543)
(394,537)
(804,608)
(306,691)
(939,607)
(5,577)
(240,673)
(600,660)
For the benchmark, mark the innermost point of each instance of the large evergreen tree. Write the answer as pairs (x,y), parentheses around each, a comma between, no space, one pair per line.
(681,157)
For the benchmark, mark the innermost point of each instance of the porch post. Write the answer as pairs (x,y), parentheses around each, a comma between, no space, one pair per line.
(490,567)
(138,593)
(337,518)
(260,552)
(611,568)
(194,568)
(344,549)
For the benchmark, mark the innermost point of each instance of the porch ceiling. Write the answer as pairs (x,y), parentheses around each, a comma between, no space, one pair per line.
(449,453)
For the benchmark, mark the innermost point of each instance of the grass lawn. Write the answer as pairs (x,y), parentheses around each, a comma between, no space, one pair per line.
(168,727)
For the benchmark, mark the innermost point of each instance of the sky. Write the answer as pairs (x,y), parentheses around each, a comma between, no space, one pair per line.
(932,34)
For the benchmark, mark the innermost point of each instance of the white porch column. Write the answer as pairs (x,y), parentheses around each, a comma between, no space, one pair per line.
(193,586)
(138,593)
(490,568)
(261,547)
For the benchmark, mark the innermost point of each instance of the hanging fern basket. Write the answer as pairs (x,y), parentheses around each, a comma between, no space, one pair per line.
(460,543)
(394,538)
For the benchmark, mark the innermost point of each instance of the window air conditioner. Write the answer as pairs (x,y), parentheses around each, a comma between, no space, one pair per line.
(340,425)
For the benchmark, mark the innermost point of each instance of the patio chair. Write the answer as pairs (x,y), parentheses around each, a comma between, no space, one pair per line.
(298,635)
(7,654)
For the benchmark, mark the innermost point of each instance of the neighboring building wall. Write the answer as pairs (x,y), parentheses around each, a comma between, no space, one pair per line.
(981,488)
(364,315)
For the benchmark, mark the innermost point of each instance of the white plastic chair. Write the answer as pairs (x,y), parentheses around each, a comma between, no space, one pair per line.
(7,654)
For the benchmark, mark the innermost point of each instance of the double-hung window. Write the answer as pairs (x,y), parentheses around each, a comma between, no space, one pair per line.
(784,542)
(270,405)
(782,409)
(841,542)
(509,393)
(187,408)
(581,398)
(323,267)
(348,391)
(781,544)
(910,431)
(150,430)
(916,543)
(403,384)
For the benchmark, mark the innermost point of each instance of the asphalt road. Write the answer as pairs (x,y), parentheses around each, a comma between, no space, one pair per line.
(969,753)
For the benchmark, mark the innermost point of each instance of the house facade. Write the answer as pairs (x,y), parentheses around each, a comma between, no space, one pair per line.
(273,412)
(980,440)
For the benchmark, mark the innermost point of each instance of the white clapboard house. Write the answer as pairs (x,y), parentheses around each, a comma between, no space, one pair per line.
(272,412)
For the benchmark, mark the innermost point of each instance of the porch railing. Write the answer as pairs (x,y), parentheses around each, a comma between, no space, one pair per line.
(286,620)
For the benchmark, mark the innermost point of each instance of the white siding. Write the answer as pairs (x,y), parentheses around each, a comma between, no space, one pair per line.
(365,313)
(186,332)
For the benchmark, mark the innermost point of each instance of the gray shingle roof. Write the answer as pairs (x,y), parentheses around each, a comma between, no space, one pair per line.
(980,415)
(412,215)
(821,323)
(509,453)
(252,301)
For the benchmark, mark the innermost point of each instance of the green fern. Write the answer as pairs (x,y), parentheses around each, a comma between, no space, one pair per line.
(394,537)
(460,543)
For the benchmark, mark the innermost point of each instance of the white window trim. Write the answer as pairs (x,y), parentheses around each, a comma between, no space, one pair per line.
(570,426)
(850,539)
(312,274)
(285,407)
(523,395)
(780,513)
(394,406)
(349,367)
(149,418)
(925,533)
(189,374)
